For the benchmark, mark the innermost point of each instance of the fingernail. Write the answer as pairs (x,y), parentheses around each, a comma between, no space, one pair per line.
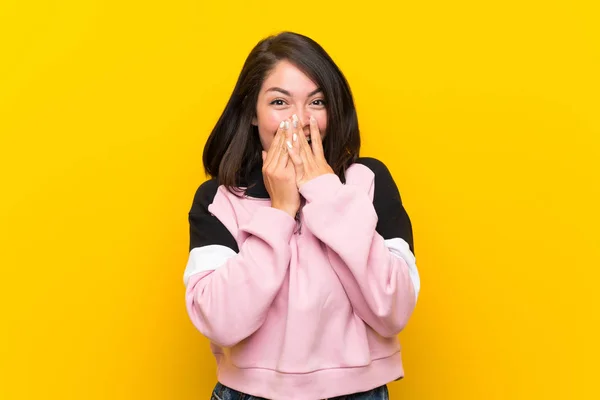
(287,125)
(295,120)
(282,124)
(289,144)
(313,119)
(294,137)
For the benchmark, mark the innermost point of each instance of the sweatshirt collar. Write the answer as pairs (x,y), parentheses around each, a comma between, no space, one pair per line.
(256,184)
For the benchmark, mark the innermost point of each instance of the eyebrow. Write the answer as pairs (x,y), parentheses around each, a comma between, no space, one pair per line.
(280,90)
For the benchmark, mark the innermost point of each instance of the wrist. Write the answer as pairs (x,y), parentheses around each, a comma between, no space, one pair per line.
(290,210)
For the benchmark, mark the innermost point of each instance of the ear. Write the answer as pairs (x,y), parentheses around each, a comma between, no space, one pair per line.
(254,121)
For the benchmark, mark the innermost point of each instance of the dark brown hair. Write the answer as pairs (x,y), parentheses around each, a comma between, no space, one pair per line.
(233,148)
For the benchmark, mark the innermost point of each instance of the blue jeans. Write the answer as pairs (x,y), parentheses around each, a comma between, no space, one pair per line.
(223,392)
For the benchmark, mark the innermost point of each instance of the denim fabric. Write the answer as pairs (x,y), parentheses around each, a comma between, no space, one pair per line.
(222,392)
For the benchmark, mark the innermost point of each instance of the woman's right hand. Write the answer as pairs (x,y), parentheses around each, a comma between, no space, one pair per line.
(278,172)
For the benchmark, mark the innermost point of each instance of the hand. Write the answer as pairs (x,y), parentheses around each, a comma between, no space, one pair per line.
(309,162)
(278,172)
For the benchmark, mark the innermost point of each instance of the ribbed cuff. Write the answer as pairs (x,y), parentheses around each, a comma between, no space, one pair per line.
(321,187)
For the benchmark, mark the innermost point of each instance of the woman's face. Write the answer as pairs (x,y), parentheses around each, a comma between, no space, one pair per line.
(287,91)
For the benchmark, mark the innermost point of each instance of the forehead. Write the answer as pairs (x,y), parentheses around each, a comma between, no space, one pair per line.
(286,75)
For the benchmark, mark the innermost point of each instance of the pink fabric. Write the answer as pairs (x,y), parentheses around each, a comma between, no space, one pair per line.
(310,315)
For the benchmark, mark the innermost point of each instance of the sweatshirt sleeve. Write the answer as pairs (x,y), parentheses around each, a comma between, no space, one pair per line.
(369,244)
(229,290)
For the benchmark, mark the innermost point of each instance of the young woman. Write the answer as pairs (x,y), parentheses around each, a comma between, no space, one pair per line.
(301,270)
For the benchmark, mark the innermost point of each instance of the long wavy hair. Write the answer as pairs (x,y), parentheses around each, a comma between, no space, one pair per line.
(233,148)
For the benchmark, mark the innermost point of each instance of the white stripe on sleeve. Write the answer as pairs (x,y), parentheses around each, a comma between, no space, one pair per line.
(400,248)
(206,258)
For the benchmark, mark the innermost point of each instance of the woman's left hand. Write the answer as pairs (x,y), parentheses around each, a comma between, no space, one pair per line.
(309,159)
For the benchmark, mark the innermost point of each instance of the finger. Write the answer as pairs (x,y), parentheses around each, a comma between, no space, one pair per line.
(295,143)
(271,150)
(295,123)
(279,150)
(296,161)
(290,135)
(282,158)
(315,136)
(286,146)
(296,134)
(294,154)
(305,150)
(292,142)
(282,161)
(275,144)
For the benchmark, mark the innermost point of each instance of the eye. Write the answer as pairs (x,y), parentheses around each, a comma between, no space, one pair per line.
(277,102)
(319,102)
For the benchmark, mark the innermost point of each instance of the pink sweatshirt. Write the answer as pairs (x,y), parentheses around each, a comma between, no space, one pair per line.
(306,308)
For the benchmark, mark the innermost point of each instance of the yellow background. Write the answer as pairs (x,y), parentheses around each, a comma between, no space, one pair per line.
(487,113)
